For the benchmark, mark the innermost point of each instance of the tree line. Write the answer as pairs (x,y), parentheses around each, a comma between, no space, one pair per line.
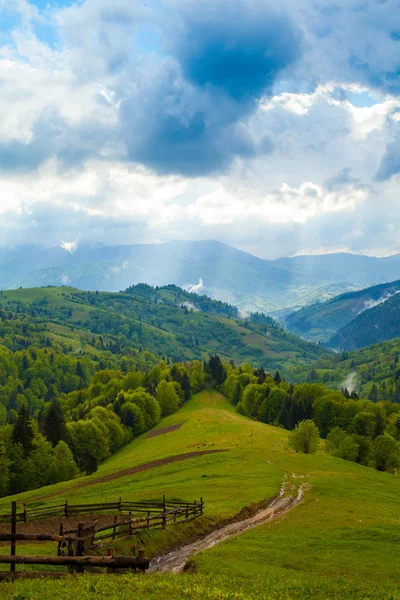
(355,429)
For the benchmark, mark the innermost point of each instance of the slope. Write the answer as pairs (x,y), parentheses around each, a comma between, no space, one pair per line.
(164,326)
(321,321)
(341,541)
(375,325)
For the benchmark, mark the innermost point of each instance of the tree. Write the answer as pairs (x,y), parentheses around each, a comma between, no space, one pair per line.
(277,377)
(132,417)
(305,437)
(64,463)
(54,427)
(386,453)
(187,393)
(4,471)
(167,398)
(23,430)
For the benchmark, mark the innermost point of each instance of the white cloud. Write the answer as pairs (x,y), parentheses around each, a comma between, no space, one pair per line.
(70,246)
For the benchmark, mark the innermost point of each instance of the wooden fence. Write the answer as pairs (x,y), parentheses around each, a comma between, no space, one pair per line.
(154,513)
(73,543)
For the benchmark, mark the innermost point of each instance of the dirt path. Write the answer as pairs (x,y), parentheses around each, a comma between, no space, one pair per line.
(174,562)
(162,430)
(131,471)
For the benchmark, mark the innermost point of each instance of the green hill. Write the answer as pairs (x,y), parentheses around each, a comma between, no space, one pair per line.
(322,321)
(165,321)
(359,370)
(340,541)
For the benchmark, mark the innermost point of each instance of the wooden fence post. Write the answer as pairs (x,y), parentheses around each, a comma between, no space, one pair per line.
(148,518)
(61,531)
(201,505)
(114,528)
(187,510)
(110,552)
(71,568)
(80,547)
(164,517)
(25,514)
(13,531)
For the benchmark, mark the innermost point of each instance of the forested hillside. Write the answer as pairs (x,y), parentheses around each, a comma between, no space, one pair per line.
(376,325)
(373,372)
(322,321)
(164,321)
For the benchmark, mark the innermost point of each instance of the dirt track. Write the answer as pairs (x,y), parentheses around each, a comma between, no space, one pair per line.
(131,471)
(175,562)
(162,430)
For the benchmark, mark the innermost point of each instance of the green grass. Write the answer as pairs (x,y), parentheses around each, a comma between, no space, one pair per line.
(340,542)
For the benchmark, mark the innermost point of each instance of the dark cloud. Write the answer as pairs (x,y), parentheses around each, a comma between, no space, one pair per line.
(390,163)
(190,116)
(237,48)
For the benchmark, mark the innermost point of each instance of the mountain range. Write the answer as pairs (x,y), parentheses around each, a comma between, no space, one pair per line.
(210,267)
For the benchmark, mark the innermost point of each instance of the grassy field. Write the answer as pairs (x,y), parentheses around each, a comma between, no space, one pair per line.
(340,542)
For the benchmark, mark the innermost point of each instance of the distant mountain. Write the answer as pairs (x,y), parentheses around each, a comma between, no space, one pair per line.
(375,325)
(341,266)
(214,268)
(321,321)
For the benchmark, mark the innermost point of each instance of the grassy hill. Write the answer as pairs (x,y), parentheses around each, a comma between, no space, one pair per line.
(322,321)
(341,541)
(164,321)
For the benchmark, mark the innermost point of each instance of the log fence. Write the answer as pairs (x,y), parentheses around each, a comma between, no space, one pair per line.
(72,543)
(67,510)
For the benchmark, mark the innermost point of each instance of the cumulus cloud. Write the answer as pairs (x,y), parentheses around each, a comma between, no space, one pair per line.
(258,125)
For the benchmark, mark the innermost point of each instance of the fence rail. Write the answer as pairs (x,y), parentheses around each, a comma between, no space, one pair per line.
(68,510)
(74,543)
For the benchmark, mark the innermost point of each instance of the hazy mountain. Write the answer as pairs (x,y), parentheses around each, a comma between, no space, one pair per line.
(323,320)
(213,268)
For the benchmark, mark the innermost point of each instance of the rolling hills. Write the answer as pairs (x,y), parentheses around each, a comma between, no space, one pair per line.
(322,321)
(340,541)
(165,322)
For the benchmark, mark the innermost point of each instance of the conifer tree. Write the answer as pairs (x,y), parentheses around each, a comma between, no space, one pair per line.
(23,432)
(54,427)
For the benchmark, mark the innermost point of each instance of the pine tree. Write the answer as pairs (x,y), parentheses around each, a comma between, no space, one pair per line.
(187,392)
(277,377)
(23,432)
(54,427)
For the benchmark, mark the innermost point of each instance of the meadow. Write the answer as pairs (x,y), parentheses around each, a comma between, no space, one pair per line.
(340,542)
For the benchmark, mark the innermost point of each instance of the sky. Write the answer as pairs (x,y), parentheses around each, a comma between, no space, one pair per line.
(270,126)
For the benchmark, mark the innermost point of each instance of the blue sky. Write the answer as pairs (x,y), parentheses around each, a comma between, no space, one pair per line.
(272,127)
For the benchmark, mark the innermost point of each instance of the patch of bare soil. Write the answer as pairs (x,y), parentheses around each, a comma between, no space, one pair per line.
(131,471)
(175,561)
(51,525)
(163,430)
